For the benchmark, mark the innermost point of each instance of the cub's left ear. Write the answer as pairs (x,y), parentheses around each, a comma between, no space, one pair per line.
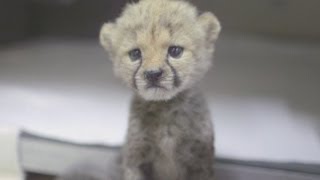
(211,25)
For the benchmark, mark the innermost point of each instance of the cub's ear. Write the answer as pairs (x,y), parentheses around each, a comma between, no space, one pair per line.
(211,25)
(106,35)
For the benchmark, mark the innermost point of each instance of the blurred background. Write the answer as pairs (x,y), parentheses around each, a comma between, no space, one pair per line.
(57,82)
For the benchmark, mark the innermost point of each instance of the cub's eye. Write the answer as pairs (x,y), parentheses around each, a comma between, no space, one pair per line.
(175,51)
(135,54)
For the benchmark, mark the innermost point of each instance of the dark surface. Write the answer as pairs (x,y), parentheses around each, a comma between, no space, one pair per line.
(290,167)
(36,176)
(226,169)
(229,171)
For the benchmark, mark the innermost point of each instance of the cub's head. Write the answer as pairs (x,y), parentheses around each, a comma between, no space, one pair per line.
(160,47)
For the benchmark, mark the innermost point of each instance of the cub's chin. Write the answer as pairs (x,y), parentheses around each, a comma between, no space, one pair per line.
(158,93)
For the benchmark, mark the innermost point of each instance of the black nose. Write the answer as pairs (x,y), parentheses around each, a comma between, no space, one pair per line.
(153,76)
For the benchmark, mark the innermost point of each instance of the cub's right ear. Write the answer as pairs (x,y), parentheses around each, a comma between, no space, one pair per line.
(106,35)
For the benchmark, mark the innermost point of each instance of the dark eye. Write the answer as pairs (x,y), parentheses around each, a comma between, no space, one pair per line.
(175,51)
(135,54)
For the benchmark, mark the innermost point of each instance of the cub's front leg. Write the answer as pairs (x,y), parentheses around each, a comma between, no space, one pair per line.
(195,158)
(138,156)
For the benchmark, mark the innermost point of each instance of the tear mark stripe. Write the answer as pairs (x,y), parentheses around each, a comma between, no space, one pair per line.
(176,80)
(134,81)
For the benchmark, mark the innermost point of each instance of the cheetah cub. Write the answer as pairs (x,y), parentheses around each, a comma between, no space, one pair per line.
(161,49)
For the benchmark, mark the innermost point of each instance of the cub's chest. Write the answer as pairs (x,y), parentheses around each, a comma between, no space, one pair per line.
(167,142)
(167,137)
(165,165)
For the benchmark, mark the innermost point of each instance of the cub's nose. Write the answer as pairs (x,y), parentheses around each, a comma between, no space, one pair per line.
(153,76)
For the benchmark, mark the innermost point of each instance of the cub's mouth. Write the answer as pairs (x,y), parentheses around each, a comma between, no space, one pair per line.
(157,90)
(155,86)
